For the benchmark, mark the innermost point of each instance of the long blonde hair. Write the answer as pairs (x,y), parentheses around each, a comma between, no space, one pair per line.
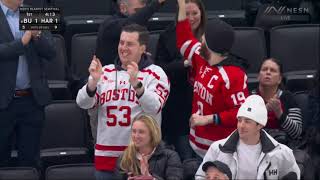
(129,161)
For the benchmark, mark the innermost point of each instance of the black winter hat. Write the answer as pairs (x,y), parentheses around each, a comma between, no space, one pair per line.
(219,36)
(222,167)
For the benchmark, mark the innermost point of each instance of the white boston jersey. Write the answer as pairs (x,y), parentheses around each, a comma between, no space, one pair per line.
(118,105)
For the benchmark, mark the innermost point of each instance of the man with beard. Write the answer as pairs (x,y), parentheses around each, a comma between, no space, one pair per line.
(219,82)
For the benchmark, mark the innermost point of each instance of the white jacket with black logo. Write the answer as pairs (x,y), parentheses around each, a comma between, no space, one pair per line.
(276,160)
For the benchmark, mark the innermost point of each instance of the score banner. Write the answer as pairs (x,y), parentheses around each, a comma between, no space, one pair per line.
(46,18)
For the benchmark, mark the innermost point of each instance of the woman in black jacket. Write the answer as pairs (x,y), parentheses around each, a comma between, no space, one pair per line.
(283,112)
(177,111)
(146,157)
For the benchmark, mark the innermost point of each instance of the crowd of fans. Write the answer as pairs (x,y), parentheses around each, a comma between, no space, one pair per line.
(149,117)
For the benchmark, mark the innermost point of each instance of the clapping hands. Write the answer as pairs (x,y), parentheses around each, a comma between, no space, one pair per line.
(95,70)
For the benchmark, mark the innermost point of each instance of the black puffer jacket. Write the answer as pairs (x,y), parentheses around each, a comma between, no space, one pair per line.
(164,164)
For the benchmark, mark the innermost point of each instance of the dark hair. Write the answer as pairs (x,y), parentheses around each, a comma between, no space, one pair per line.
(200,30)
(141,30)
(275,61)
(280,65)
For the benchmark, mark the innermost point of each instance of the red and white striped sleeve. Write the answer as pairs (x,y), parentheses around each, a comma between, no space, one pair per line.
(156,91)
(188,45)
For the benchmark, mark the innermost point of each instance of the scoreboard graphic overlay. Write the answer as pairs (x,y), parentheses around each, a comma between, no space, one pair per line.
(44,18)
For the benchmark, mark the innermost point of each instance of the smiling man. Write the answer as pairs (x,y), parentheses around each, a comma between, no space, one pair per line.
(129,12)
(121,91)
(250,152)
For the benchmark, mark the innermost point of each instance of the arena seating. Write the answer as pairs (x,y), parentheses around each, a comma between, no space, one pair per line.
(298,48)
(83,171)
(64,138)
(57,71)
(66,152)
(251,46)
(19,173)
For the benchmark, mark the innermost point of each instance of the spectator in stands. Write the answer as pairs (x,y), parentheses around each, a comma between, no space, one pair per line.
(216,170)
(175,124)
(123,90)
(218,79)
(146,155)
(24,90)
(130,11)
(250,152)
(283,112)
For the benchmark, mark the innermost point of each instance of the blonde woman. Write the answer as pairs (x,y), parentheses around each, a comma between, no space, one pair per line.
(146,157)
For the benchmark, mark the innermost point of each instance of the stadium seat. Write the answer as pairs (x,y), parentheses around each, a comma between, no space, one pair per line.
(77,24)
(82,7)
(35,3)
(250,45)
(232,17)
(168,7)
(64,137)
(19,173)
(222,5)
(160,21)
(57,71)
(228,10)
(153,43)
(71,172)
(271,15)
(82,50)
(298,48)
(297,81)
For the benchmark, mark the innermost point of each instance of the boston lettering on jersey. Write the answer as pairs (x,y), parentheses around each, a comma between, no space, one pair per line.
(118,94)
(203,93)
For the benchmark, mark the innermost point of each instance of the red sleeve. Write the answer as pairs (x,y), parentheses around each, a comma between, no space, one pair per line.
(188,45)
(183,33)
(234,95)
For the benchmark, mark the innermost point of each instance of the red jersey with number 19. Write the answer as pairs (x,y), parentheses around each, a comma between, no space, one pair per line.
(218,89)
(118,105)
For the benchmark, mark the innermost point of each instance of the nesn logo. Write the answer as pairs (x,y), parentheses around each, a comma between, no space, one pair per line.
(249,109)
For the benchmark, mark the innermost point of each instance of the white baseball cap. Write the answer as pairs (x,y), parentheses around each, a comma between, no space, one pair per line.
(255,109)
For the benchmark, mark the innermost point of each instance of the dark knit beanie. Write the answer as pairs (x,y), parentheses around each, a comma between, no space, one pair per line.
(219,36)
